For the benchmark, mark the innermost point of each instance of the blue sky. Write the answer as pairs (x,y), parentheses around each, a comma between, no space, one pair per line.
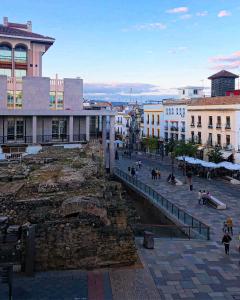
(150,46)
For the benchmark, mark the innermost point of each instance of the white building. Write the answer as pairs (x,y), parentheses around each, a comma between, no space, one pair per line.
(190,92)
(175,118)
(153,120)
(122,124)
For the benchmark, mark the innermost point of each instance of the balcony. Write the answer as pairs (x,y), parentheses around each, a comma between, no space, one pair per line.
(152,122)
(192,125)
(210,126)
(173,128)
(228,126)
(15,140)
(183,130)
(218,126)
(199,125)
(166,128)
(5,58)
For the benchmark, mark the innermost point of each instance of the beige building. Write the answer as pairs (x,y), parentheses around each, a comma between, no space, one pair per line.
(215,122)
(153,120)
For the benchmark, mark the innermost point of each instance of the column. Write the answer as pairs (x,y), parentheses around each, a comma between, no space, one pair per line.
(111,143)
(104,140)
(71,129)
(87,128)
(34,129)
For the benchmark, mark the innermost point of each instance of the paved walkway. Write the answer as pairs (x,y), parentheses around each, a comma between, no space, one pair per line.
(173,270)
(187,200)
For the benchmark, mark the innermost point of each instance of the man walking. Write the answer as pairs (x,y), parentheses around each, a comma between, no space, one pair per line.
(226,241)
(230,225)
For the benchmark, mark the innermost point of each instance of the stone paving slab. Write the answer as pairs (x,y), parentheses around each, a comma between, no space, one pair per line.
(188,200)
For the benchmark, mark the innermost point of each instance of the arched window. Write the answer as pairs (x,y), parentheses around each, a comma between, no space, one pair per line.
(5,53)
(20,54)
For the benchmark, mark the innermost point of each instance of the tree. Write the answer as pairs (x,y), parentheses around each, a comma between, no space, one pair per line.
(151,143)
(185,149)
(215,155)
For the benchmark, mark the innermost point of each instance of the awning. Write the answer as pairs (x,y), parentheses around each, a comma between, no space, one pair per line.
(226,154)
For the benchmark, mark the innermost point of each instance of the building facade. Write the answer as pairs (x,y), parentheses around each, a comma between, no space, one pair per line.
(190,92)
(122,124)
(36,109)
(175,119)
(153,120)
(222,82)
(215,122)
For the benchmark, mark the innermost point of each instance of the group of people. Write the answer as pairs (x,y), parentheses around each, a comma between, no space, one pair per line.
(156,174)
(133,170)
(203,197)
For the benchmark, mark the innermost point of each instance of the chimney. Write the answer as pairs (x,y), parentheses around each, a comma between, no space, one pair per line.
(5,21)
(29,26)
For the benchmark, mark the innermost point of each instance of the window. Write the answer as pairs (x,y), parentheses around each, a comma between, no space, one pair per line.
(15,129)
(218,121)
(177,111)
(195,92)
(5,53)
(192,136)
(20,54)
(210,122)
(52,103)
(147,119)
(60,100)
(228,140)
(219,139)
(152,119)
(7,72)
(158,119)
(183,137)
(180,111)
(158,133)
(147,132)
(199,137)
(166,111)
(172,111)
(192,120)
(228,123)
(183,92)
(10,99)
(20,73)
(152,132)
(210,139)
(59,129)
(199,121)
(19,98)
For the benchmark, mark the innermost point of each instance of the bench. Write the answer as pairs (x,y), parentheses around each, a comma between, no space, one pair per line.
(232,180)
(213,201)
(178,182)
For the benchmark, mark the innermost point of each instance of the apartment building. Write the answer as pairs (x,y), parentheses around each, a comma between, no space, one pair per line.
(190,92)
(215,122)
(36,109)
(153,120)
(122,123)
(175,118)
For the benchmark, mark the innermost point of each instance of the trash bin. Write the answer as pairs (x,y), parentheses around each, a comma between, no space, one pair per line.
(148,240)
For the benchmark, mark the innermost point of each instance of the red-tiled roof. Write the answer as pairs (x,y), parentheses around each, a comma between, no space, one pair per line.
(223,73)
(226,100)
(9,31)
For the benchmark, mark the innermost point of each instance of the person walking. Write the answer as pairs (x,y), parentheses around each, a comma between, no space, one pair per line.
(199,197)
(226,241)
(224,227)
(230,225)
(129,170)
(133,172)
(153,174)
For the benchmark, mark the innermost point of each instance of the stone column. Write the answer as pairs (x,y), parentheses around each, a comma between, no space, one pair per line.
(104,139)
(87,128)
(34,130)
(111,143)
(71,129)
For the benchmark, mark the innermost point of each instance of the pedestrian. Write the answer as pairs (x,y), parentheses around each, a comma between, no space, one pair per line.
(136,174)
(208,175)
(204,197)
(226,241)
(153,174)
(159,174)
(156,174)
(230,225)
(224,227)
(199,197)
(140,164)
(129,170)
(133,172)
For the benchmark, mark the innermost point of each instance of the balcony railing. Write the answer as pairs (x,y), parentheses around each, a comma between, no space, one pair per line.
(5,58)
(166,128)
(228,126)
(219,126)
(210,126)
(53,138)
(192,125)
(11,139)
(183,130)
(173,128)
(199,124)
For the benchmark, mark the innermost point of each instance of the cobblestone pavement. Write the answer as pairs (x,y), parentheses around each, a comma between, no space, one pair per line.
(187,200)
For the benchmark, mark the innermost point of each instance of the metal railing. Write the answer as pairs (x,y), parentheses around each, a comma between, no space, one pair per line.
(79,137)
(9,139)
(197,227)
(53,138)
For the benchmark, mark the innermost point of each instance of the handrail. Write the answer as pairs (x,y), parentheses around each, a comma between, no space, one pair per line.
(165,204)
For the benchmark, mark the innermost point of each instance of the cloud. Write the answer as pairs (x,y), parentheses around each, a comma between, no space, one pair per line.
(202,13)
(186,17)
(224,13)
(178,10)
(124,91)
(178,50)
(150,26)
(231,61)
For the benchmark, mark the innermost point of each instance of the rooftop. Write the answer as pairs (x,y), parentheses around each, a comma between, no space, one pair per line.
(175,102)
(223,74)
(226,100)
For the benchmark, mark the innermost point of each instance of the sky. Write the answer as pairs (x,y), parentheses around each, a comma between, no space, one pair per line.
(135,49)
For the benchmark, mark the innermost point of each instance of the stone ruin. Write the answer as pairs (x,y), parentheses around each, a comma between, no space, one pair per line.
(80,217)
